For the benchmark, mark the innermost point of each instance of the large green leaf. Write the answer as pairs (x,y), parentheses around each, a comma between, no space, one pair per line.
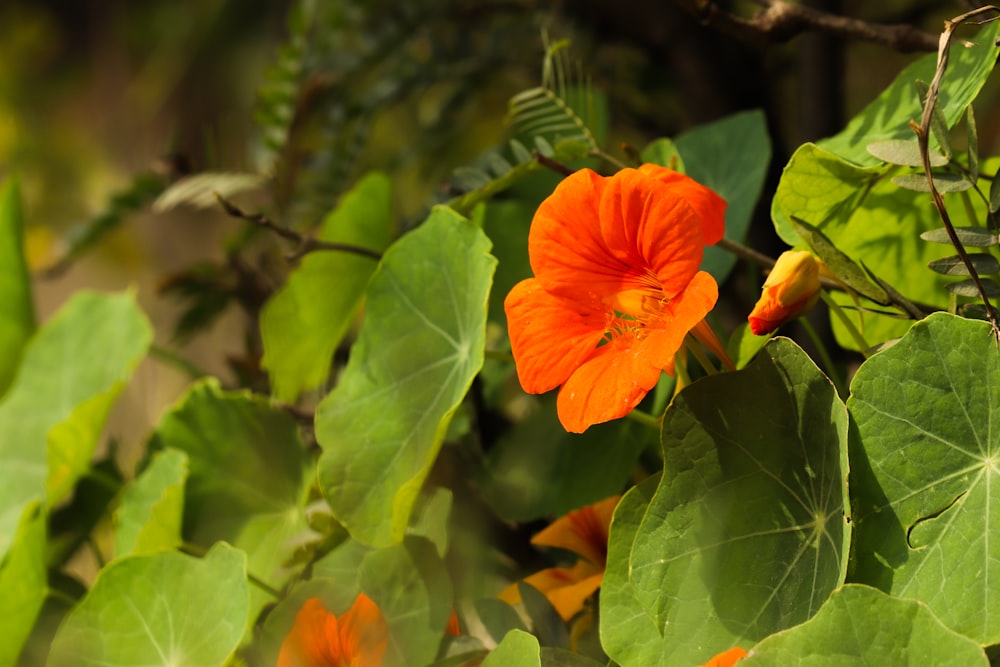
(304,322)
(51,418)
(17,310)
(23,585)
(149,516)
(418,349)
(927,517)
(247,480)
(411,586)
(164,609)
(859,625)
(537,469)
(746,533)
(888,116)
(731,156)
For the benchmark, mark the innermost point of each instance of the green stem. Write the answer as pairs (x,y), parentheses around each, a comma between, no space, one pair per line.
(644,418)
(835,308)
(171,358)
(609,158)
(698,353)
(831,370)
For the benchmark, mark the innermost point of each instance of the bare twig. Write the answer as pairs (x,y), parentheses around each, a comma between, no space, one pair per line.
(549,163)
(305,244)
(923,131)
(780,21)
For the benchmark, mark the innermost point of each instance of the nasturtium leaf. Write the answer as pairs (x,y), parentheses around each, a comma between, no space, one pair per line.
(537,469)
(954,266)
(411,586)
(17,310)
(149,517)
(303,323)
(663,151)
(517,648)
(51,418)
(247,476)
(23,585)
(887,117)
(164,609)
(746,534)
(418,350)
(976,237)
(558,657)
(628,633)
(904,152)
(859,625)
(731,156)
(924,471)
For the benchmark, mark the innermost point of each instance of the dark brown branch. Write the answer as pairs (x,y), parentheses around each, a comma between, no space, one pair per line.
(923,131)
(780,21)
(305,244)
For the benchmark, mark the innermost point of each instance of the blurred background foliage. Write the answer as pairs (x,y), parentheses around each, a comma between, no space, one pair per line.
(103,104)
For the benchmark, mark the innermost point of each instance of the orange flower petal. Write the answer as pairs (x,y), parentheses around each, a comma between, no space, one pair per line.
(549,337)
(364,634)
(726,658)
(567,588)
(319,639)
(583,531)
(710,207)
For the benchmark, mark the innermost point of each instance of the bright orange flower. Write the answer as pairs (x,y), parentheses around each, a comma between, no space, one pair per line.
(358,638)
(727,658)
(585,533)
(616,288)
(791,288)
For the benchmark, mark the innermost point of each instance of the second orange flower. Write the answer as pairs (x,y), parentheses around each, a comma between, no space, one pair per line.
(616,288)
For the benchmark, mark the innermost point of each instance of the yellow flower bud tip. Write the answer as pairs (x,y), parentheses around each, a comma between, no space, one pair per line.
(791,287)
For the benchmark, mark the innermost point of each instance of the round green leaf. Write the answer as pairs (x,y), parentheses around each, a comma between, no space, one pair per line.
(859,625)
(924,467)
(517,648)
(303,323)
(418,349)
(746,533)
(163,609)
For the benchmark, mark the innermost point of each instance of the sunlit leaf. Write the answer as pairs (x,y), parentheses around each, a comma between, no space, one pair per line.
(304,322)
(859,625)
(732,157)
(418,349)
(746,534)
(17,310)
(247,479)
(888,116)
(663,151)
(517,648)
(52,416)
(149,517)
(23,584)
(164,609)
(923,471)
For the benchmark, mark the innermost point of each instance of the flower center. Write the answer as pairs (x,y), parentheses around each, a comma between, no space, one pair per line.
(633,309)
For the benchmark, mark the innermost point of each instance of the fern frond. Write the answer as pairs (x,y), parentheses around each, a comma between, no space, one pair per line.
(561,109)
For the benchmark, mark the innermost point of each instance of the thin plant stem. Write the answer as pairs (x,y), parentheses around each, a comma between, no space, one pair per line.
(831,370)
(852,330)
(171,358)
(699,354)
(644,418)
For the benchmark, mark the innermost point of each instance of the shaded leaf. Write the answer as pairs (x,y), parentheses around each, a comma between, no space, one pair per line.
(745,535)
(418,349)
(842,266)
(859,625)
(78,361)
(165,609)
(149,517)
(923,472)
(497,617)
(546,624)
(969,288)
(23,583)
(972,141)
(303,323)
(976,237)
(954,266)
(17,309)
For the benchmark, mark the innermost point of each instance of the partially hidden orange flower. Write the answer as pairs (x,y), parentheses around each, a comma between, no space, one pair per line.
(727,658)
(585,533)
(358,638)
(791,288)
(616,288)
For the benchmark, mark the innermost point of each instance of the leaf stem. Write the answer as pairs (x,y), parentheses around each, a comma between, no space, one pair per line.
(644,418)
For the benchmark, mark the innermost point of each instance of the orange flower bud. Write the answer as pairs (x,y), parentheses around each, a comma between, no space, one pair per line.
(791,288)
